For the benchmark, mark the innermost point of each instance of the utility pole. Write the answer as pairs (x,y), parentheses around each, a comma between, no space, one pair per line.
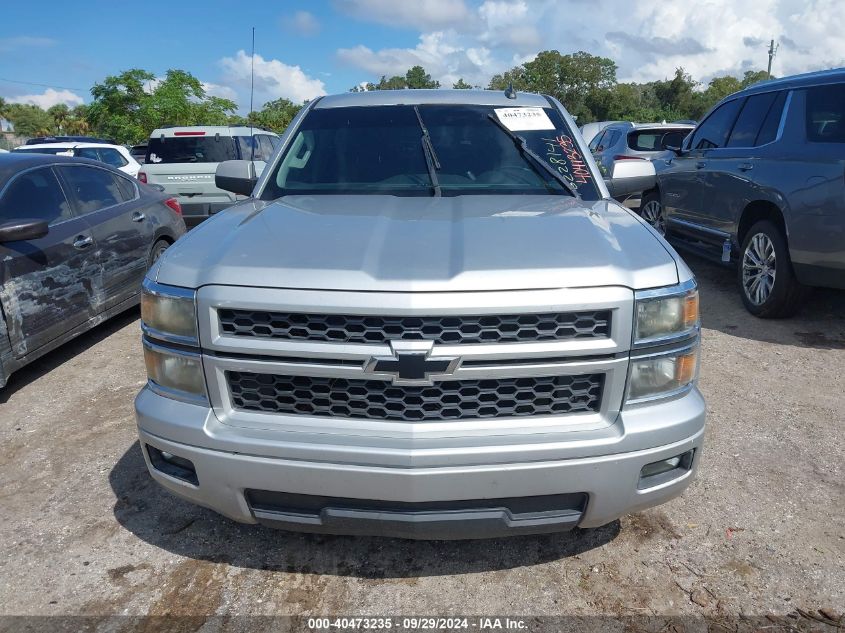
(772,52)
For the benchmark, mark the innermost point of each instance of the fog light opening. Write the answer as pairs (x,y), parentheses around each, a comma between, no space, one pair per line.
(665,470)
(173,465)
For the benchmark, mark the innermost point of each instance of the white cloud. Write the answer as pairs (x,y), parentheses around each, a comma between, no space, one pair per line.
(437,52)
(421,14)
(273,79)
(648,39)
(48,98)
(301,23)
(216,90)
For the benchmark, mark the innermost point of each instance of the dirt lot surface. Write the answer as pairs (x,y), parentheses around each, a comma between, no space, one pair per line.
(85,531)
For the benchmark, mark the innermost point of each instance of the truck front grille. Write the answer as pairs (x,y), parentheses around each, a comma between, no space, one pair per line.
(448,330)
(447,400)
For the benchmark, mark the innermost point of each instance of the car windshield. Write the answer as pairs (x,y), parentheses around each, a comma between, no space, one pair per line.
(380,150)
(191,149)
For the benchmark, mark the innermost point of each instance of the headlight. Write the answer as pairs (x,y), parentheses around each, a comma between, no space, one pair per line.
(175,374)
(663,375)
(666,314)
(169,313)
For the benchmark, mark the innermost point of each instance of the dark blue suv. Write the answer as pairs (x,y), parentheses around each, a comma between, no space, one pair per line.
(760,182)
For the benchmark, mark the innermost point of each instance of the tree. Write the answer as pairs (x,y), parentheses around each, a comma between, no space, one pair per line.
(570,78)
(127,107)
(60,113)
(30,120)
(678,96)
(116,110)
(721,87)
(514,77)
(394,83)
(416,77)
(752,77)
(275,115)
(460,84)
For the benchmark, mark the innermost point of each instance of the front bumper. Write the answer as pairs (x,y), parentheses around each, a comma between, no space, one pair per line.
(357,496)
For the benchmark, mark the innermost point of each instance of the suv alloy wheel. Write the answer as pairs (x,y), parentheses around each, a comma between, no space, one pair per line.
(651,210)
(767,283)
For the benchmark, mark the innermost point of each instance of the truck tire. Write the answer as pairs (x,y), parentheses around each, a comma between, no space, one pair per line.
(651,210)
(767,283)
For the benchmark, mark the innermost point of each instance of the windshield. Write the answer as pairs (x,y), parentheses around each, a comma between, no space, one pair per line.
(380,150)
(191,149)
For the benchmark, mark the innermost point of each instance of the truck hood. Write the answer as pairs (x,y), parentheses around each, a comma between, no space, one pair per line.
(394,244)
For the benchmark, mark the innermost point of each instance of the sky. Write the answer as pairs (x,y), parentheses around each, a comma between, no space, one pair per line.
(305,49)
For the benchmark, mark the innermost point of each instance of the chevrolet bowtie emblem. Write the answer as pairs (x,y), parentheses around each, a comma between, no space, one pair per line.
(411,363)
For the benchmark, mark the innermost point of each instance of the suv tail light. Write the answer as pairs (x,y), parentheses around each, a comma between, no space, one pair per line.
(142,177)
(624,157)
(173,203)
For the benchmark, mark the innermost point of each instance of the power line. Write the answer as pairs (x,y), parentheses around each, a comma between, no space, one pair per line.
(31,83)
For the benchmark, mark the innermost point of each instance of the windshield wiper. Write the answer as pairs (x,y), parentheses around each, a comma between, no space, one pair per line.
(534,159)
(430,156)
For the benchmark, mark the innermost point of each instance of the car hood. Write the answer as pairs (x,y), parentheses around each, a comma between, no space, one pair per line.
(389,243)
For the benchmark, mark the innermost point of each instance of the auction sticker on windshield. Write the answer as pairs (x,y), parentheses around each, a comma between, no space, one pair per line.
(517,119)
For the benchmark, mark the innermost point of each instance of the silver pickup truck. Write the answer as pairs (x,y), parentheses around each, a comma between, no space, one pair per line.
(429,320)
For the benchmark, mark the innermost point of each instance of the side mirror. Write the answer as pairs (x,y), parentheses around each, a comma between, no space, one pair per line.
(237,176)
(24,229)
(630,176)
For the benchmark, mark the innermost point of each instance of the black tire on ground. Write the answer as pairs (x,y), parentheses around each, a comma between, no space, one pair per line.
(651,210)
(157,250)
(767,283)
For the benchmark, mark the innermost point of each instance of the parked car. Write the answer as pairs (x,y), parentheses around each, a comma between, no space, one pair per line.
(429,320)
(139,153)
(40,140)
(589,131)
(115,155)
(759,183)
(183,161)
(76,238)
(634,141)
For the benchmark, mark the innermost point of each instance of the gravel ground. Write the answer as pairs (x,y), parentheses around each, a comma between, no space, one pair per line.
(85,531)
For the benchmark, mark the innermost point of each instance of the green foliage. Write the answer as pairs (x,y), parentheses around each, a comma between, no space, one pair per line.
(29,120)
(460,84)
(127,107)
(416,77)
(275,115)
(587,86)
(573,79)
(120,104)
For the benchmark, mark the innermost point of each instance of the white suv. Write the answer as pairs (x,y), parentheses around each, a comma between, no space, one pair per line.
(115,155)
(183,161)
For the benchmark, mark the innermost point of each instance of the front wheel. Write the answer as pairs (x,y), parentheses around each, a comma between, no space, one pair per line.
(767,282)
(651,210)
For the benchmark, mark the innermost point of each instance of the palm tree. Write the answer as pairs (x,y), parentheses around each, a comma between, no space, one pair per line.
(60,113)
